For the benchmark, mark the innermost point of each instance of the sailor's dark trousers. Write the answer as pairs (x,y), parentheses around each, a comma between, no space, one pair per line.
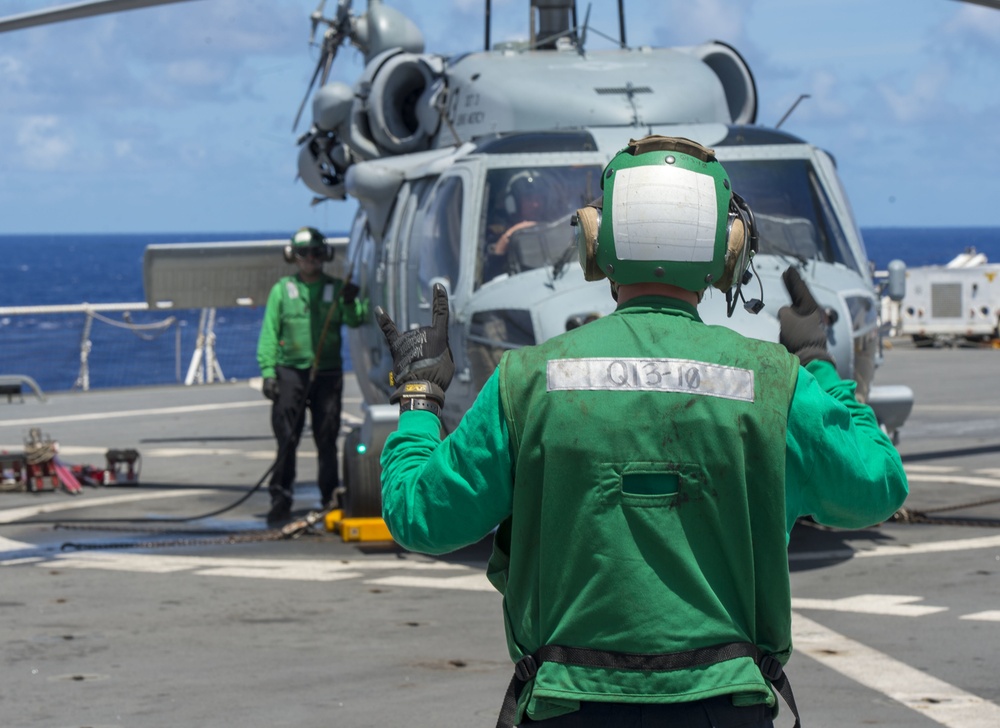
(288,416)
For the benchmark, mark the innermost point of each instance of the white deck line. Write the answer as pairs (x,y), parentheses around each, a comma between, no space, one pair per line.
(133,413)
(17,514)
(934,699)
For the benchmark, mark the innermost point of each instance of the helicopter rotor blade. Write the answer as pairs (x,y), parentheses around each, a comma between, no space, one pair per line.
(309,88)
(76,11)
(329,64)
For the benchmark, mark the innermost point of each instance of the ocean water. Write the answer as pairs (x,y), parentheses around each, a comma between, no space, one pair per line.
(40,270)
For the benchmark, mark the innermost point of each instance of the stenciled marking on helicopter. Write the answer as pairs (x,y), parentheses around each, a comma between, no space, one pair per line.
(462,118)
(652,375)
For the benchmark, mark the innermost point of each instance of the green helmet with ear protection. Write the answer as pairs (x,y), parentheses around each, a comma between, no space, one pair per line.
(304,239)
(666,217)
(308,237)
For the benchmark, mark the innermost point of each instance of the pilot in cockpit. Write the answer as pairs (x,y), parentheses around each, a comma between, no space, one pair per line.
(525,204)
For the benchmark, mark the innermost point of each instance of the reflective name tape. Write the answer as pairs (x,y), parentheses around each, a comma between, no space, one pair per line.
(650,375)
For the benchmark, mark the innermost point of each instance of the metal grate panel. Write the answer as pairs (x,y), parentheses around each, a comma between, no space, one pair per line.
(946,300)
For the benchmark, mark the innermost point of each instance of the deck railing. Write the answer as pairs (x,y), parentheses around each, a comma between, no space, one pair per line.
(45,343)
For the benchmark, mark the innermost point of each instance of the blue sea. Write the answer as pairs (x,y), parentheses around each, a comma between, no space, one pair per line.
(41,270)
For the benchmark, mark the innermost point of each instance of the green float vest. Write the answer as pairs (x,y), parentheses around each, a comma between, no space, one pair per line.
(302,317)
(649,505)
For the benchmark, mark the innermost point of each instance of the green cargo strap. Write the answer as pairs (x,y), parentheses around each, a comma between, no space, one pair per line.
(527,667)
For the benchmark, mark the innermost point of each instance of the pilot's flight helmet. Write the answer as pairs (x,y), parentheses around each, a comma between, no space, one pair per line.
(528,183)
(667,215)
(307,237)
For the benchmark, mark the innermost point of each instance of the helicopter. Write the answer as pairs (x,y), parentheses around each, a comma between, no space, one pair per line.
(438,150)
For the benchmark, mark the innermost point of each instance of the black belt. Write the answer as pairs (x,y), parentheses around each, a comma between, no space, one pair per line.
(527,667)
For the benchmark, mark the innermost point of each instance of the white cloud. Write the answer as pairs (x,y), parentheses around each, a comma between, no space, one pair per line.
(923,99)
(466,6)
(12,72)
(708,18)
(825,92)
(975,23)
(43,143)
(123,148)
(196,72)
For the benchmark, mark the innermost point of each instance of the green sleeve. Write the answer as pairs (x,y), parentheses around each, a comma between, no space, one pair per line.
(840,467)
(438,496)
(270,332)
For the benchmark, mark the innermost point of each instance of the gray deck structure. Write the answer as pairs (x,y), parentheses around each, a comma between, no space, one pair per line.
(895,626)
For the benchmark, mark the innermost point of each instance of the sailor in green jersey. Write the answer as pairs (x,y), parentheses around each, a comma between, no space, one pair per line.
(643,471)
(301,328)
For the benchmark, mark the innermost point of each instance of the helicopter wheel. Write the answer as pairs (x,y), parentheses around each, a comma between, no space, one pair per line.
(362,479)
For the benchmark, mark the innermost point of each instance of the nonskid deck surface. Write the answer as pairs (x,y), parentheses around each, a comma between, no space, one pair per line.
(894,626)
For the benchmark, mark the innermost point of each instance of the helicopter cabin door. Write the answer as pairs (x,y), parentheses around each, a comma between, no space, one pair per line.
(434,254)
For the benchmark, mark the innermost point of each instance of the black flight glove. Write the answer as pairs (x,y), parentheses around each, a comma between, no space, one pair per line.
(422,366)
(270,389)
(803,325)
(349,294)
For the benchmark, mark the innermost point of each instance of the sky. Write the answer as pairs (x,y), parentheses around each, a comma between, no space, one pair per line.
(179,118)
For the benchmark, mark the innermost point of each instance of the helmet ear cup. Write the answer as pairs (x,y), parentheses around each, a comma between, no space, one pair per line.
(736,253)
(289,254)
(588,225)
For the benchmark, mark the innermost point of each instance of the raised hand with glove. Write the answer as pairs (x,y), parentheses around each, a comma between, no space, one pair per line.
(422,366)
(803,324)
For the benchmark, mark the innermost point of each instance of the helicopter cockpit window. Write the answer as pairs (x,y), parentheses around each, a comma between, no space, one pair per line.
(793,213)
(526,211)
(435,240)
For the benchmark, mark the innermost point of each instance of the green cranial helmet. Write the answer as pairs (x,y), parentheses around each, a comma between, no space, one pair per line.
(665,217)
(305,242)
(308,237)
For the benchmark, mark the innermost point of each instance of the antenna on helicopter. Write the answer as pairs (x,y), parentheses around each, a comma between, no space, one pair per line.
(791,109)
(621,22)
(583,30)
(486,40)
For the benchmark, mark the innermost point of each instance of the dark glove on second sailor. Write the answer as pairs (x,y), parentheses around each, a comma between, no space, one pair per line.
(422,366)
(270,389)
(349,294)
(803,324)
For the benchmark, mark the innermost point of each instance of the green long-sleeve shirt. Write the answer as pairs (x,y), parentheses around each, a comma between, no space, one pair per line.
(293,323)
(841,469)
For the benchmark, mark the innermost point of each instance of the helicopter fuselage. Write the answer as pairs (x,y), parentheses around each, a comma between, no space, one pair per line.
(448,205)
